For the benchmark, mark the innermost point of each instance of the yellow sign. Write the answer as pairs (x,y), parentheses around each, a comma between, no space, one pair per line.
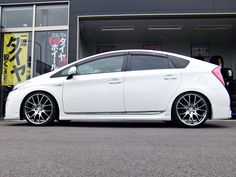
(15,58)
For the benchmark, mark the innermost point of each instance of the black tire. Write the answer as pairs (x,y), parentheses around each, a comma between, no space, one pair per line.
(190,110)
(39,108)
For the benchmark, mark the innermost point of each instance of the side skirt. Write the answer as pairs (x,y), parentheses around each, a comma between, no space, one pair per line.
(124,117)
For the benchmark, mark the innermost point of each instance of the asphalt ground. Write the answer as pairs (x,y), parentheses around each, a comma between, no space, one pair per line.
(117,149)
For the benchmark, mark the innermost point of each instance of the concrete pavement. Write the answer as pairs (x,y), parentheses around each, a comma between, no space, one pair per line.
(117,149)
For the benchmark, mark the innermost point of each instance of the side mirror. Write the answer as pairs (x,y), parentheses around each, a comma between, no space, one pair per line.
(71,72)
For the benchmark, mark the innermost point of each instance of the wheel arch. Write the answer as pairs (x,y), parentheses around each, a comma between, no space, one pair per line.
(39,91)
(207,99)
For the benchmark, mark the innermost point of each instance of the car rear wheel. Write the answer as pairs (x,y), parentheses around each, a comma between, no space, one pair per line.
(190,110)
(39,109)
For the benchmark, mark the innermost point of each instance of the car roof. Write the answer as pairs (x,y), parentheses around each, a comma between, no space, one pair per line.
(135,51)
(127,51)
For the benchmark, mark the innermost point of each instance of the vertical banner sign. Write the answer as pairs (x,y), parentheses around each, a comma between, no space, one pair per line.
(15,58)
(58,49)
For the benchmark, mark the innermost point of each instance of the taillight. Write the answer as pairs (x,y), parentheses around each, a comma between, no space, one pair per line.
(217,73)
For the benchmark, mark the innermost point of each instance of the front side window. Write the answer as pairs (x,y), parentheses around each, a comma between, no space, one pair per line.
(17,17)
(148,62)
(105,65)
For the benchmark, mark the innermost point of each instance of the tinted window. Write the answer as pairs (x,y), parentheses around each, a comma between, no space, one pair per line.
(147,62)
(105,65)
(179,62)
(62,73)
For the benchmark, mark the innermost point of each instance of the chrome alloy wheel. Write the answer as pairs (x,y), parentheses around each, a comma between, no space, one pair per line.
(38,108)
(192,109)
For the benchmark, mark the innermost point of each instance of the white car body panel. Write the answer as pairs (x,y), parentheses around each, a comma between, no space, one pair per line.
(195,77)
(141,88)
(105,89)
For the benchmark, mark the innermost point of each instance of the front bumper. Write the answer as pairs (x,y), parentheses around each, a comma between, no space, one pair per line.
(13,104)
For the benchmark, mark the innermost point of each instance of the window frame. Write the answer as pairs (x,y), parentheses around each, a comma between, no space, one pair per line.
(78,63)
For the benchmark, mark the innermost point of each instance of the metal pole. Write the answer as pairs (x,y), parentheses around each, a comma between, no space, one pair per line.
(1,53)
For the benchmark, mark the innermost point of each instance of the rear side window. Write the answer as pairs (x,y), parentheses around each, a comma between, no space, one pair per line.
(179,62)
(148,62)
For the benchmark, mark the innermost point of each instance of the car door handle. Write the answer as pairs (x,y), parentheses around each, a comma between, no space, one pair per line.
(115,81)
(170,77)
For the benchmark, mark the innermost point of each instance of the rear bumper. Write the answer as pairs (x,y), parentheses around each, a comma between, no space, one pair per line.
(220,104)
(221,113)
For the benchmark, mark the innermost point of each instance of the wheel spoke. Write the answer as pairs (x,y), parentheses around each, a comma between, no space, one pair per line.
(31,103)
(182,113)
(196,115)
(194,102)
(45,113)
(197,102)
(186,101)
(182,108)
(41,116)
(182,104)
(32,98)
(185,116)
(40,101)
(28,107)
(190,117)
(45,102)
(34,116)
(30,111)
(47,105)
(201,106)
(197,109)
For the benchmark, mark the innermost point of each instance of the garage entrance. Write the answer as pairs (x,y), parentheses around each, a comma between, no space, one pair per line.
(197,35)
(200,36)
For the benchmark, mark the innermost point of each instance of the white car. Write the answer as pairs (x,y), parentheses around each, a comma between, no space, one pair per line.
(126,85)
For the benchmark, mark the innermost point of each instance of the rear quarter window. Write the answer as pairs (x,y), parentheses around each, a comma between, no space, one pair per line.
(179,62)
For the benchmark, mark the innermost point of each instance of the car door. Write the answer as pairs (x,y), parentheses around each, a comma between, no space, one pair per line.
(150,82)
(97,87)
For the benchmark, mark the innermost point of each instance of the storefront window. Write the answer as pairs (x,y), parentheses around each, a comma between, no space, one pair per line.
(16,43)
(50,51)
(48,15)
(16,58)
(17,17)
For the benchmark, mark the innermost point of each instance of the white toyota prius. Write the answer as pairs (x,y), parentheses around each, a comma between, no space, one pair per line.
(126,85)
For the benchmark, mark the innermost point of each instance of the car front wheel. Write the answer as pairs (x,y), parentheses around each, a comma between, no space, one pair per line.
(39,109)
(190,110)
